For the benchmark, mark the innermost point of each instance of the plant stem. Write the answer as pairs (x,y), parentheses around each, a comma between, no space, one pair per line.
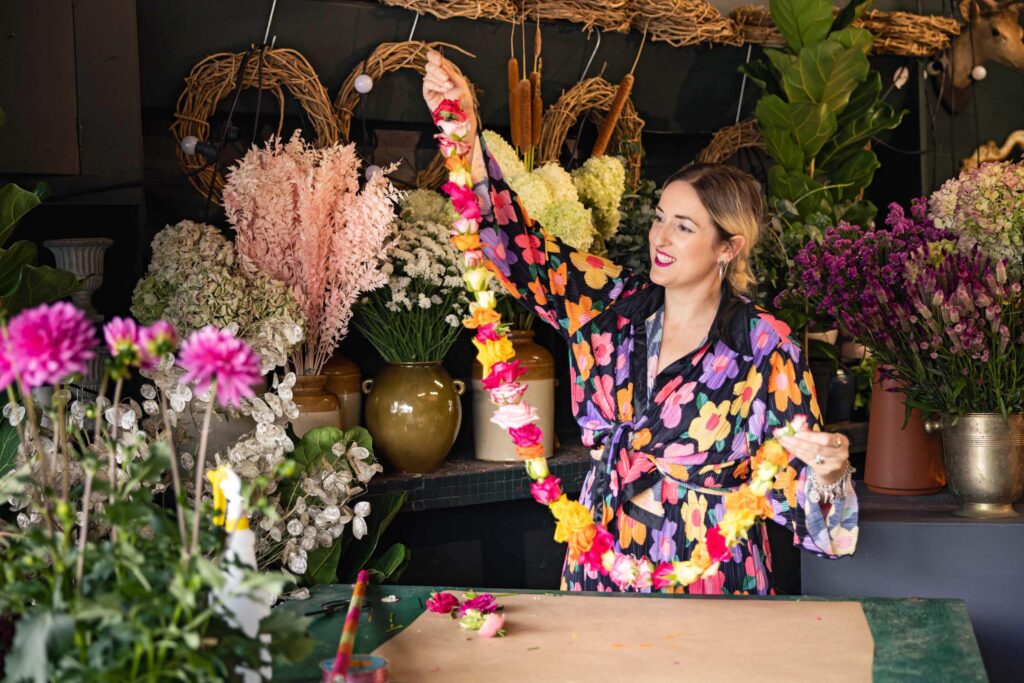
(112,454)
(179,493)
(44,462)
(200,467)
(83,535)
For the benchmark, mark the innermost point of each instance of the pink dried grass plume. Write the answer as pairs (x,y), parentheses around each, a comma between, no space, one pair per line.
(212,356)
(47,344)
(301,218)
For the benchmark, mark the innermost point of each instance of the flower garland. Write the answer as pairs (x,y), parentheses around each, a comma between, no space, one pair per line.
(589,542)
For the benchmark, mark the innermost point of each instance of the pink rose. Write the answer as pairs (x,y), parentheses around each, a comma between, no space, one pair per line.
(465,226)
(474,258)
(486,333)
(602,543)
(508,394)
(442,603)
(547,491)
(717,548)
(623,572)
(643,575)
(493,625)
(503,373)
(483,603)
(449,110)
(663,576)
(514,416)
(528,435)
(463,200)
(451,147)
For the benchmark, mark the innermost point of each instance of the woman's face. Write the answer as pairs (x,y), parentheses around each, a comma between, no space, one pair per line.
(684,243)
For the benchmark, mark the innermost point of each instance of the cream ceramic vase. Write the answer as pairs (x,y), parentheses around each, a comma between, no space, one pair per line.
(317,406)
(343,380)
(491,442)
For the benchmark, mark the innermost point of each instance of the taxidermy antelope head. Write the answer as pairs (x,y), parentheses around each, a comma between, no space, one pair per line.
(992,34)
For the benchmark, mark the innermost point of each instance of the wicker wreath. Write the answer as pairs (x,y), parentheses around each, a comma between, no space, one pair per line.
(387,58)
(896,33)
(729,140)
(213,79)
(593,95)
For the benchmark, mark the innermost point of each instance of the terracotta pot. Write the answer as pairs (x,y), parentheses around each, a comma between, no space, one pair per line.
(491,442)
(900,462)
(413,413)
(317,406)
(343,380)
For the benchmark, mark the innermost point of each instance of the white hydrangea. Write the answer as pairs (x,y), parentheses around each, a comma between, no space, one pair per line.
(601,182)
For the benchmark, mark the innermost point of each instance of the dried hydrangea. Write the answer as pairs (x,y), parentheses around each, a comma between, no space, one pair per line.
(194,280)
(985,206)
(508,160)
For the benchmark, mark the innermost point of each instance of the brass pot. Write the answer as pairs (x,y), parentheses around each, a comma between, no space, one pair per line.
(317,406)
(344,380)
(413,413)
(984,457)
(491,442)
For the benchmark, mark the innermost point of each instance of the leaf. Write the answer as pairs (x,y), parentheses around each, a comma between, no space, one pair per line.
(854,37)
(809,124)
(8,447)
(857,170)
(858,131)
(860,213)
(38,638)
(21,253)
(40,284)
(14,203)
(289,635)
(802,22)
(392,562)
(322,564)
(315,447)
(797,187)
(782,148)
(782,62)
(851,13)
(827,73)
(358,552)
(763,74)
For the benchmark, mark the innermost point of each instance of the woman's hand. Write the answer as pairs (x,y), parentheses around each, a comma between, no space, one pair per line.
(444,81)
(826,453)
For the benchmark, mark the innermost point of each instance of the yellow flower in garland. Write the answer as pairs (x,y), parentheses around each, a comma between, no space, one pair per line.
(480,316)
(572,518)
(735,524)
(458,171)
(491,352)
(466,242)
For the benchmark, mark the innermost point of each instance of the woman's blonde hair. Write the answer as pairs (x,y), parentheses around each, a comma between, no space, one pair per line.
(735,202)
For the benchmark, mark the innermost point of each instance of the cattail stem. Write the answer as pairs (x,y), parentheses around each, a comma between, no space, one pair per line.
(525,101)
(605,136)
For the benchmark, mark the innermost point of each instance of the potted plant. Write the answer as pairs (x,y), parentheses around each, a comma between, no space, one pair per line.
(100,579)
(300,217)
(413,409)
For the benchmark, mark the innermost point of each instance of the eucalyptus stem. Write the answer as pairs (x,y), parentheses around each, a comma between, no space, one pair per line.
(200,467)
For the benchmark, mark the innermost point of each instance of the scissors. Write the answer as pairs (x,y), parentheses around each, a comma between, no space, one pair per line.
(331,607)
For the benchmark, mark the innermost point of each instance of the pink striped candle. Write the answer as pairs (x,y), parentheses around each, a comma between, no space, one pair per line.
(348,632)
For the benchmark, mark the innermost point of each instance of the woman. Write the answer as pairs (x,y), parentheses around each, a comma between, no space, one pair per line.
(677,379)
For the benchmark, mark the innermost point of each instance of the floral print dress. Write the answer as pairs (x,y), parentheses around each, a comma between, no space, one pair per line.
(686,433)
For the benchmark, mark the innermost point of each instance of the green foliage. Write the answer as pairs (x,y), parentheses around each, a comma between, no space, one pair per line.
(820,105)
(629,247)
(23,283)
(141,611)
(343,560)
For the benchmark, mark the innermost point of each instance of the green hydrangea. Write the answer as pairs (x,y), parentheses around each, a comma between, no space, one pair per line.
(560,183)
(509,162)
(600,183)
(427,206)
(570,222)
(533,193)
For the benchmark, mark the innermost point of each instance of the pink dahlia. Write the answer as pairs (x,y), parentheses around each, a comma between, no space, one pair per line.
(212,356)
(48,343)
(484,603)
(124,343)
(159,339)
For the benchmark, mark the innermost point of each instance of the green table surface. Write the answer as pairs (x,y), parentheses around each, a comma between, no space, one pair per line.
(916,639)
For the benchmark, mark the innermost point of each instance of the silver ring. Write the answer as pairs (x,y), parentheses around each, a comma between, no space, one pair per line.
(819,459)
(838,443)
